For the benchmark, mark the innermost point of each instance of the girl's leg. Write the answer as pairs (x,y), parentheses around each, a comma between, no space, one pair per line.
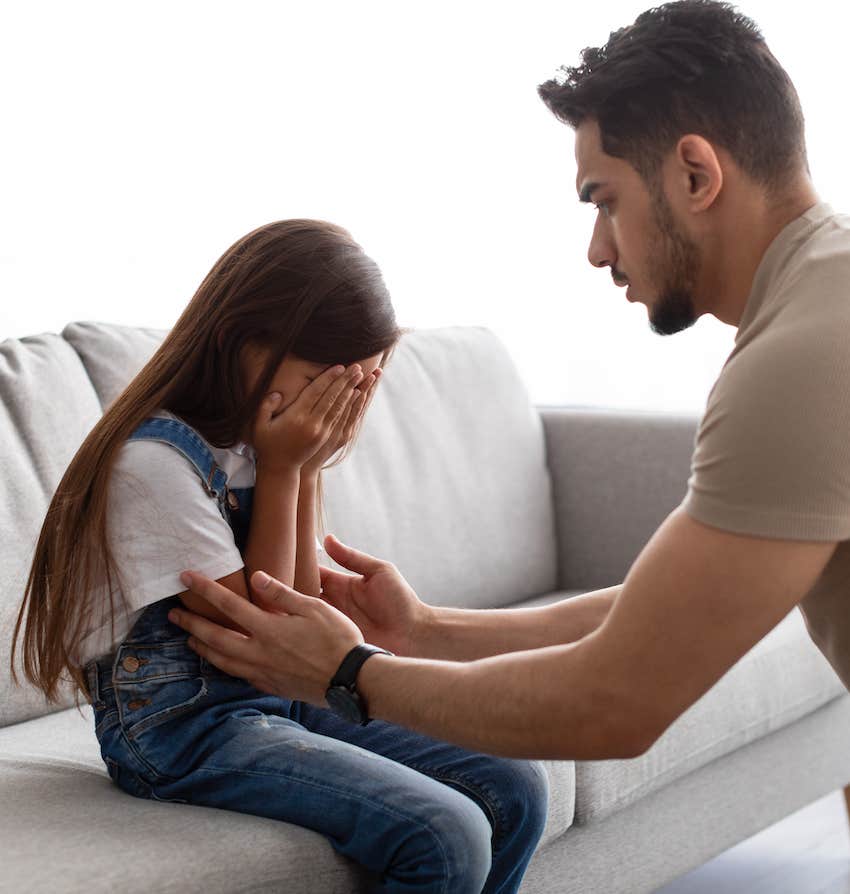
(413,833)
(514,794)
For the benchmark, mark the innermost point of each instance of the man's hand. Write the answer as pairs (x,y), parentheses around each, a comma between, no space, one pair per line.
(292,650)
(377,598)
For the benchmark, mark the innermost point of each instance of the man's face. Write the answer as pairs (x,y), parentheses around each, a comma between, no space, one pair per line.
(636,235)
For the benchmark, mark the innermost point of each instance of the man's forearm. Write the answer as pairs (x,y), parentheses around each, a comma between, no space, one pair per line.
(556,702)
(467,634)
(271,538)
(306,561)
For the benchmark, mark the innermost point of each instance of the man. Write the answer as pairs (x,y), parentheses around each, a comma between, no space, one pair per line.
(689,142)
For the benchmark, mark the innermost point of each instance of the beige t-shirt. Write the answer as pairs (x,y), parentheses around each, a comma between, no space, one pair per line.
(772,455)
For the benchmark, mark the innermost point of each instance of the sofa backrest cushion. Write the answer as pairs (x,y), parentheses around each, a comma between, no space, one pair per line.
(48,407)
(112,354)
(448,478)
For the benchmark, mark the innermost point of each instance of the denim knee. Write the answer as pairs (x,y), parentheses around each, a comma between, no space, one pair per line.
(462,836)
(526,801)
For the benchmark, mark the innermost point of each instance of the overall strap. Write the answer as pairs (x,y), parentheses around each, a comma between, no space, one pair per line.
(185,439)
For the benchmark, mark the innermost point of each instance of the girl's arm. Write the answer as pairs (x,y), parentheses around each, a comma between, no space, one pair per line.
(272,534)
(307,579)
(306,561)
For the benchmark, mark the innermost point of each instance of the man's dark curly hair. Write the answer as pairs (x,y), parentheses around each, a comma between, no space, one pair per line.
(695,66)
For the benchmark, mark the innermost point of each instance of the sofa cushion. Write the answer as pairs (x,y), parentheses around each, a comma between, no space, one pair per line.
(59,801)
(782,679)
(448,478)
(48,406)
(112,354)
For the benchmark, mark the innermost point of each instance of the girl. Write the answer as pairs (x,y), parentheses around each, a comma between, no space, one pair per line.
(211,459)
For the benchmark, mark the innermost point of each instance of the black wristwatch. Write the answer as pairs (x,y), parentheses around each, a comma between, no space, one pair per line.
(342,695)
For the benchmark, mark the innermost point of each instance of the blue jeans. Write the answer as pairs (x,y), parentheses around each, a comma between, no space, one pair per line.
(418,814)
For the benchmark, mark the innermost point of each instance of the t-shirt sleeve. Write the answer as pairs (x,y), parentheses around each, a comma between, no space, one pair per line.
(772,455)
(161,522)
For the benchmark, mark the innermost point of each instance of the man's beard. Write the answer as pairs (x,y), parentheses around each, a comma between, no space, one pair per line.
(678,259)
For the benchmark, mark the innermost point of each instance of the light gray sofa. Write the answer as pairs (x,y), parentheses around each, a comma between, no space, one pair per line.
(481,499)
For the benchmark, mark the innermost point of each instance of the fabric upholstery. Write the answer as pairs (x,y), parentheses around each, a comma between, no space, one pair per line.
(112,354)
(781,679)
(448,479)
(450,463)
(615,477)
(70,830)
(674,829)
(48,406)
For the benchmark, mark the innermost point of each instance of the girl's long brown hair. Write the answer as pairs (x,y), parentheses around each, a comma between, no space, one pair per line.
(300,287)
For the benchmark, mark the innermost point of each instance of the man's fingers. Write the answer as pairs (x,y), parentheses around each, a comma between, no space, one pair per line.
(335,586)
(222,660)
(350,558)
(278,596)
(247,616)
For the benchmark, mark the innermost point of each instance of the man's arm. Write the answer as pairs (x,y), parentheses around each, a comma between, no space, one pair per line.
(695,601)
(390,614)
(457,634)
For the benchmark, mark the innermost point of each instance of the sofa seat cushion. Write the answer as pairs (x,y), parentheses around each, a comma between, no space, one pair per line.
(57,798)
(59,801)
(780,680)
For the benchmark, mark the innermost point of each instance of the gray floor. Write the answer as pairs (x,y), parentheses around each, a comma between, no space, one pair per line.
(806,853)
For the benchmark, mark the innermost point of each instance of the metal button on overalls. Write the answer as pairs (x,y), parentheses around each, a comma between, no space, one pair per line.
(130,664)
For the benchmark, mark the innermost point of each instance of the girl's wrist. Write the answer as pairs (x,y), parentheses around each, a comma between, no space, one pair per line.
(280,476)
(309,475)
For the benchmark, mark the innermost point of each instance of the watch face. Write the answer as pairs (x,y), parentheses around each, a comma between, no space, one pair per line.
(346,703)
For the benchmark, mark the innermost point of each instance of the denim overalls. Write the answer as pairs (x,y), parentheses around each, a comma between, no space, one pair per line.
(418,814)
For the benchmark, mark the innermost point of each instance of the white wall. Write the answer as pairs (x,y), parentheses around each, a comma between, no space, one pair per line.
(140,140)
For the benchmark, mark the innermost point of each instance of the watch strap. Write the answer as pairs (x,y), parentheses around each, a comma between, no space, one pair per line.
(346,674)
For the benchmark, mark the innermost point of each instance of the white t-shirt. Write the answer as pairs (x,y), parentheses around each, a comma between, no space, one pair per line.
(161,522)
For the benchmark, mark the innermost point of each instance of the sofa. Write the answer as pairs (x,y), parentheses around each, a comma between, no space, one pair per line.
(482,500)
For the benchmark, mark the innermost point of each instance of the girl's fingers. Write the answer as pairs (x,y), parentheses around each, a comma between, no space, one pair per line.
(339,411)
(370,391)
(336,391)
(354,416)
(309,395)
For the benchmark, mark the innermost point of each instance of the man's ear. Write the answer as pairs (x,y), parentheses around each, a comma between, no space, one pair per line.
(698,171)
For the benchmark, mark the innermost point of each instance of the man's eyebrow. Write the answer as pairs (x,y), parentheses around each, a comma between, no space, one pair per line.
(587,190)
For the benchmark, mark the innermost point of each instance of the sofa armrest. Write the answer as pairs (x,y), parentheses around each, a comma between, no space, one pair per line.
(615,477)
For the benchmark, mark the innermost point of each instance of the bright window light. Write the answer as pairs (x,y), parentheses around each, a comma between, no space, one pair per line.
(140,140)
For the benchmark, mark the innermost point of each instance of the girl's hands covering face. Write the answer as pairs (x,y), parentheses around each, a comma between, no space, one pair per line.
(287,440)
(347,424)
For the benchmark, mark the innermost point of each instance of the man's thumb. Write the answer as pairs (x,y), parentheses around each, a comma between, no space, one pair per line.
(351,558)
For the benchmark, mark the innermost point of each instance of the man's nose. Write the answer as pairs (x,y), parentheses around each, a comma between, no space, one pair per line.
(601,251)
